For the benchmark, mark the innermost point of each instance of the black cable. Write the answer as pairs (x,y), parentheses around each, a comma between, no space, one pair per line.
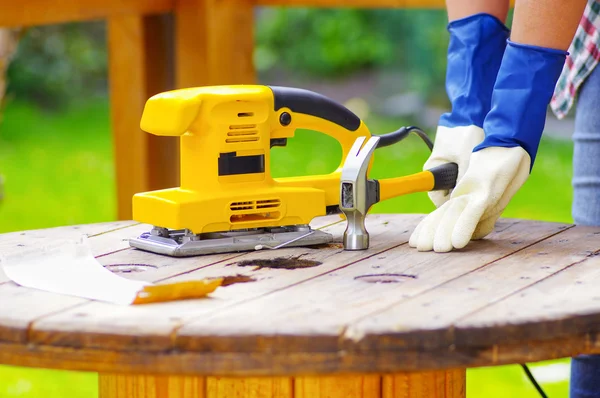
(402,133)
(533,381)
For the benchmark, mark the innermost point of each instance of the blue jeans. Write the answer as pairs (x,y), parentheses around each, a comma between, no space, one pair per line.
(585,370)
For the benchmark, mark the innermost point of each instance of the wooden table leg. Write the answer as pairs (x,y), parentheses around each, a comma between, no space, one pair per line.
(439,384)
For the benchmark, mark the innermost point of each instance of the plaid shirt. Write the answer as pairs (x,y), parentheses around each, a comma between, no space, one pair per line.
(584,54)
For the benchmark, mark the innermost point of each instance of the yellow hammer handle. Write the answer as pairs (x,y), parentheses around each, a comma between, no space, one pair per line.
(438,178)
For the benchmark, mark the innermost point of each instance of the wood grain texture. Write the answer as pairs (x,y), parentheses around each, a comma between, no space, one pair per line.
(450,384)
(358,386)
(214,42)
(44,12)
(19,306)
(152,327)
(126,52)
(441,384)
(425,4)
(107,241)
(19,14)
(319,314)
(294,364)
(251,387)
(416,4)
(143,161)
(438,310)
(307,321)
(563,302)
(150,386)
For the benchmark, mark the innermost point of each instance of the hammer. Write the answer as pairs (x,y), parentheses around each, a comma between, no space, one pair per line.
(358,193)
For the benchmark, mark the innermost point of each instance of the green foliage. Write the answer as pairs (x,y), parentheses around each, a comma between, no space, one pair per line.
(334,43)
(323,42)
(58,167)
(57,64)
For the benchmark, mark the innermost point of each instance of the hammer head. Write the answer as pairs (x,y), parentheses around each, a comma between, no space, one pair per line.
(357,193)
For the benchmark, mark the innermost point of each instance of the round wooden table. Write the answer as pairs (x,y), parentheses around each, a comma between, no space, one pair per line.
(317,322)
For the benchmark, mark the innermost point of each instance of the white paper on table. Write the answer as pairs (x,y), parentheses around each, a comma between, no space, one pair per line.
(69,267)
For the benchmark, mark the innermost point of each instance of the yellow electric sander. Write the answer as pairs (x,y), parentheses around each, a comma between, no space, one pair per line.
(227,200)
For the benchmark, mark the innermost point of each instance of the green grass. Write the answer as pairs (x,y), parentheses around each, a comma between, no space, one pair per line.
(57,167)
(58,171)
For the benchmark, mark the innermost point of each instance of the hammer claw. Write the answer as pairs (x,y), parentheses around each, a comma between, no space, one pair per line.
(359,157)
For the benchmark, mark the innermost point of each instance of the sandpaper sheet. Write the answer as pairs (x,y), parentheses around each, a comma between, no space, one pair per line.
(69,267)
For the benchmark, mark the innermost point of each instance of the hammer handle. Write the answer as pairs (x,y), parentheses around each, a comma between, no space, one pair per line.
(444,176)
(437,178)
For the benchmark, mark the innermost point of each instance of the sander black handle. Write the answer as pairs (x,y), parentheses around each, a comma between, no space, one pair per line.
(310,103)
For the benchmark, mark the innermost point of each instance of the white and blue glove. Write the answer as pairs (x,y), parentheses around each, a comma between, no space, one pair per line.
(501,163)
(474,56)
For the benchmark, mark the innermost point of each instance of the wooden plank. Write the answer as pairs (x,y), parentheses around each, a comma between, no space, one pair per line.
(163,152)
(44,12)
(150,327)
(317,315)
(126,53)
(359,386)
(416,4)
(289,364)
(108,240)
(15,299)
(63,232)
(563,303)
(215,42)
(425,4)
(104,238)
(143,161)
(433,315)
(150,386)
(254,387)
(382,358)
(19,14)
(447,383)
(450,384)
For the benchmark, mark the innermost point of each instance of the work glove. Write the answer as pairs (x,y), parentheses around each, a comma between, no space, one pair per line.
(474,55)
(501,164)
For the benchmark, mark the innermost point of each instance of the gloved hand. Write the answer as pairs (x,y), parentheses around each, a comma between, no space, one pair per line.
(501,164)
(475,52)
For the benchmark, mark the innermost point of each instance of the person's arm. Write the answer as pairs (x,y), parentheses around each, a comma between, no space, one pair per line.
(547,23)
(542,31)
(458,9)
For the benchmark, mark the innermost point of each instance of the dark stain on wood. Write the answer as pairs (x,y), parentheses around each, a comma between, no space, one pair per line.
(278,263)
(232,279)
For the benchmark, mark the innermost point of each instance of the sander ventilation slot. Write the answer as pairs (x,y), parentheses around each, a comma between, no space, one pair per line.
(242,133)
(255,205)
(254,210)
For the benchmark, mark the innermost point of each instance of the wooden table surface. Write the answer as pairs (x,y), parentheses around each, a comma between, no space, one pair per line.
(527,292)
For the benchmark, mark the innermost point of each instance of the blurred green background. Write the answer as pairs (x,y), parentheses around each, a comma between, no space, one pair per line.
(387,65)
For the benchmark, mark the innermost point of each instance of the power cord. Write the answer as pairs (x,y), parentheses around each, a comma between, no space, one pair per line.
(533,381)
(402,133)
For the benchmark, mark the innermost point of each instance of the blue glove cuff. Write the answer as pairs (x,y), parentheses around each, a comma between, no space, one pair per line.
(475,51)
(522,92)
